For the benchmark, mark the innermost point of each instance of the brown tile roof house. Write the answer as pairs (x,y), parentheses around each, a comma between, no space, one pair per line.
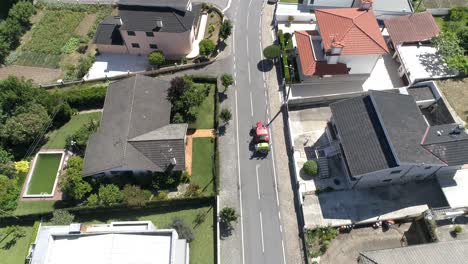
(135,131)
(355,28)
(412,28)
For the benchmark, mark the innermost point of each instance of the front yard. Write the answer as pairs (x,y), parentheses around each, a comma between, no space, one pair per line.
(456,92)
(57,138)
(202,164)
(13,249)
(205,112)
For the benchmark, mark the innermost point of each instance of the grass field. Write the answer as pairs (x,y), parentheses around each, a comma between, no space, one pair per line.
(44,174)
(13,251)
(58,137)
(33,207)
(201,248)
(202,164)
(33,59)
(205,114)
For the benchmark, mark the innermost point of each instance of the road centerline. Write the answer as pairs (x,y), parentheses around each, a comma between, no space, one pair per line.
(258,182)
(251,104)
(239,179)
(261,232)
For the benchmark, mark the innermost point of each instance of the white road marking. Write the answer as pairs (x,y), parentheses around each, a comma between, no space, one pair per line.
(227,7)
(239,179)
(261,231)
(248,68)
(251,104)
(258,183)
(284,255)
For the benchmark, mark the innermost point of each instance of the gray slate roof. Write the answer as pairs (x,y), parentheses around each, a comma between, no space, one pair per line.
(381,130)
(453,252)
(451,148)
(178,4)
(108,32)
(361,135)
(138,18)
(421,93)
(134,124)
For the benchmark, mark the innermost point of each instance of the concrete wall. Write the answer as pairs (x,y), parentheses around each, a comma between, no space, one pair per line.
(329,3)
(119,49)
(359,64)
(173,45)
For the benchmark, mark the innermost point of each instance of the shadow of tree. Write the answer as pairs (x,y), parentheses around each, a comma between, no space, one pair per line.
(434,64)
(265,65)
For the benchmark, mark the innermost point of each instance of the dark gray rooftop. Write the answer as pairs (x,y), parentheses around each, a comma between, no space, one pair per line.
(404,125)
(421,93)
(108,32)
(138,18)
(361,135)
(448,142)
(179,4)
(453,252)
(135,120)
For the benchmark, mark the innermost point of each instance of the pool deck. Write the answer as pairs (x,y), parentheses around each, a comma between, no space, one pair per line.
(57,195)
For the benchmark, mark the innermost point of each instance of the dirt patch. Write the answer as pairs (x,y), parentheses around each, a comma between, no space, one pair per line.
(37,75)
(212,26)
(85,25)
(34,20)
(456,92)
(192,133)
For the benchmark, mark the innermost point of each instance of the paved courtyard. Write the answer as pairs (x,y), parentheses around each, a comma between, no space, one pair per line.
(116,64)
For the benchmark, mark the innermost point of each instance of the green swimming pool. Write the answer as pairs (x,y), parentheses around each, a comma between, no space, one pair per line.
(44,173)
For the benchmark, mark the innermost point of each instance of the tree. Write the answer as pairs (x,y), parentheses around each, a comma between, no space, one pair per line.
(21,12)
(227,216)
(9,191)
(62,217)
(22,166)
(92,200)
(310,167)
(185,97)
(5,156)
(110,194)
(135,196)
(225,115)
(156,58)
(63,115)
(448,44)
(26,125)
(227,80)
(271,52)
(207,47)
(77,141)
(178,86)
(226,29)
(183,230)
(72,183)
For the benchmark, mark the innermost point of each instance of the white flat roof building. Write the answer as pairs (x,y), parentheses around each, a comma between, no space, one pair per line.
(116,243)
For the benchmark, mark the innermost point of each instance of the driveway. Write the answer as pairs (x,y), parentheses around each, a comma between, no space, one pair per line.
(116,64)
(370,205)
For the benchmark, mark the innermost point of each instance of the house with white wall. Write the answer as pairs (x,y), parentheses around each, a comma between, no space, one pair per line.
(385,138)
(345,44)
(410,37)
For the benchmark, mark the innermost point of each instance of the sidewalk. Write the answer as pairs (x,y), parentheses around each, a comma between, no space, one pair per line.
(293,243)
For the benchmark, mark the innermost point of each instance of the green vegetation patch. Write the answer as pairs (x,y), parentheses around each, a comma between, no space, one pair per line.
(34,207)
(44,174)
(318,240)
(205,112)
(202,164)
(57,138)
(35,59)
(14,248)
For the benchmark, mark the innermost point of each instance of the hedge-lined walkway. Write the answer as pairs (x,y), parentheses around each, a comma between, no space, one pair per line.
(195,133)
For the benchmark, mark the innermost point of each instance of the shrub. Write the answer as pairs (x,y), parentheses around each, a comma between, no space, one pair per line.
(227,80)
(92,200)
(162,195)
(184,231)
(84,98)
(9,191)
(62,217)
(228,215)
(207,47)
(225,115)
(193,190)
(78,141)
(156,58)
(110,194)
(226,29)
(22,166)
(310,167)
(21,12)
(458,229)
(72,184)
(134,196)
(185,97)
(271,52)
(63,115)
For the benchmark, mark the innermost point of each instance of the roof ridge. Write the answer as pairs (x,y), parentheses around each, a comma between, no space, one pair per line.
(174,14)
(130,117)
(363,31)
(331,13)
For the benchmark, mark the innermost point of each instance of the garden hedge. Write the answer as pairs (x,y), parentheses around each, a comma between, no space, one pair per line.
(85,98)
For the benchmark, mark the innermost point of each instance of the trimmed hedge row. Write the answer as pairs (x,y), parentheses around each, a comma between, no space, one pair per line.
(84,98)
(284,57)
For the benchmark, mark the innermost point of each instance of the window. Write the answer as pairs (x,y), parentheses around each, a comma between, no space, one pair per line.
(131,33)
(149,34)
(395,172)
(427,168)
(135,45)
(387,180)
(153,46)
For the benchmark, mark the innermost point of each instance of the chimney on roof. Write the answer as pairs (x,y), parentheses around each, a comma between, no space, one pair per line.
(335,51)
(159,23)
(173,161)
(365,5)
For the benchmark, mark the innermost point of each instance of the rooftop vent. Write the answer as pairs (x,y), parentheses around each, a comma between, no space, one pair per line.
(74,228)
(456,130)
(173,161)
(159,23)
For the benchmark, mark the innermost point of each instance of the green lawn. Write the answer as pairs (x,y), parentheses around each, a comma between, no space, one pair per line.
(34,207)
(57,137)
(201,248)
(291,1)
(44,174)
(13,251)
(202,164)
(205,114)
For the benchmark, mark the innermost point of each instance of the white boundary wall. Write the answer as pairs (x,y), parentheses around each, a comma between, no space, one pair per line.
(31,170)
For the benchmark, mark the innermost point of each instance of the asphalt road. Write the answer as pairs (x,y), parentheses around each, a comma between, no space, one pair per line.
(262,239)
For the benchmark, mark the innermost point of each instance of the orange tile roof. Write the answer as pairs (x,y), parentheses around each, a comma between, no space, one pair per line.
(307,59)
(412,28)
(356,29)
